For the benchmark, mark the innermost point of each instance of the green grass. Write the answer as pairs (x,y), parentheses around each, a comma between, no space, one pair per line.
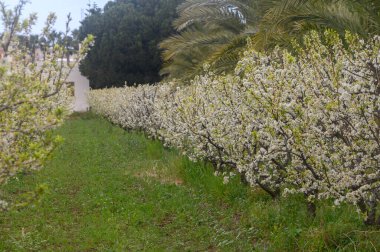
(112,190)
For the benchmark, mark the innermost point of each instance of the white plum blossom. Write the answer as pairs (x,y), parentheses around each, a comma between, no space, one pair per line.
(304,122)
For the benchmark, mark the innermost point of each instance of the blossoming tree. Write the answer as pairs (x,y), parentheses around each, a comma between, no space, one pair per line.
(34,97)
(306,121)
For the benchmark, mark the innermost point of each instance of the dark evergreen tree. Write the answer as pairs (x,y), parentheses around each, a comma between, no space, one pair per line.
(127,34)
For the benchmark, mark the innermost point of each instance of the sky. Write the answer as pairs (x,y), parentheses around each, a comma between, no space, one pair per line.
(61,8)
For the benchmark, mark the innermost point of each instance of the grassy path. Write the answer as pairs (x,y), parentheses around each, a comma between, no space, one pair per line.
(110,190)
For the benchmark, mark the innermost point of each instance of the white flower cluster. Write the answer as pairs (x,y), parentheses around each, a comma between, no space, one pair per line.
(3,205)
(306,124)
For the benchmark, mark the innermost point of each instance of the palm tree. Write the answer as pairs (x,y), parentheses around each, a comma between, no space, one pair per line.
(285,20)
(212,32)
(215,31)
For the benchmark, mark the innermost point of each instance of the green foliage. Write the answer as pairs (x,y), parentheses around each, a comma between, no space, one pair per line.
(215,32)
(104,195)
(285,20)
(210,32)
(31,198)
(127,34)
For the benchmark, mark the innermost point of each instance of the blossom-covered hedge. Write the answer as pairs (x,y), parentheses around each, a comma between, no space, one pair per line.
(303,122)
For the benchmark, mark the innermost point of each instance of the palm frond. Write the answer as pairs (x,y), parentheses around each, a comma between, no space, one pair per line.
(215,31)
(289,19)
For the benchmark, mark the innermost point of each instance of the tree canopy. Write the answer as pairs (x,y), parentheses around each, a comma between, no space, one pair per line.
(215,32)
(127,34)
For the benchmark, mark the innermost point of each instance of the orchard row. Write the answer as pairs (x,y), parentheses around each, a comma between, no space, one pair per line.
(305,121)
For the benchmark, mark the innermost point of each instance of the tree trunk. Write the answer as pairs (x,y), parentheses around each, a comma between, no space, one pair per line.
(311,209)
(273,193)
(243,179)
(369,209)
(371,214)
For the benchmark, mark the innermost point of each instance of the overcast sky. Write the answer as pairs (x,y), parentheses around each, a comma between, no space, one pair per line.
(60,7)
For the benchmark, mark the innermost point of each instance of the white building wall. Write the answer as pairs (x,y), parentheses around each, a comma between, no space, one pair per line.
(81,90)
